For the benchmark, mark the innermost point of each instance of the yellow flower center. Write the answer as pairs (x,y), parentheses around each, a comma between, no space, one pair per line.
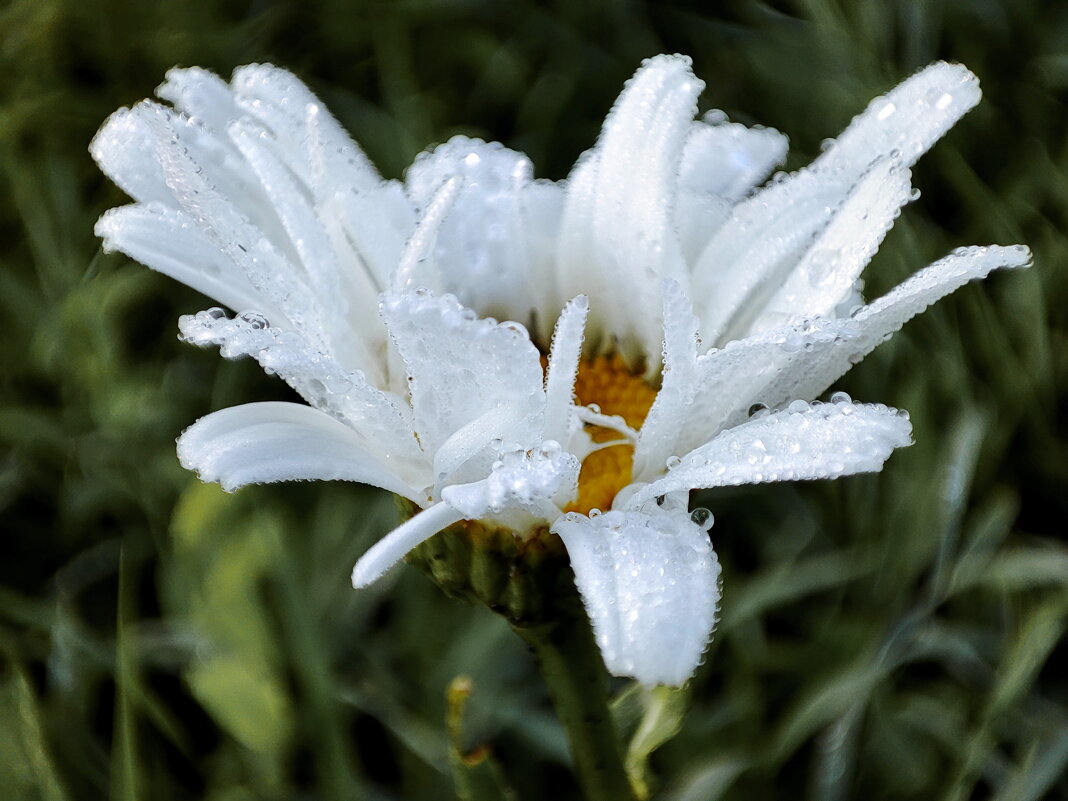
(607,382)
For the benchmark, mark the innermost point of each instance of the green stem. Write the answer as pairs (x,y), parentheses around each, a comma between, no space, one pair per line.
(578,684)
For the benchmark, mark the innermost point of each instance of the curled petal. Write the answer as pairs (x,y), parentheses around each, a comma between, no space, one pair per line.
(650,583)
(536,481)
(389,550)
(261,443)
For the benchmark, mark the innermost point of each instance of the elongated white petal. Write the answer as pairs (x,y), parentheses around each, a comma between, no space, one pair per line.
(418,266)
(803,359)
(201,94)
(729,160)
(908,120)
(661,427)
(563,367)
(801,442)
(748,256)
(650,583)
(537,481)
(382,421)
(261,443)
(125,150)
(830,267)
(481,247)
(619,215)
(460,367)
(169,241)
(281,102)
(389,550)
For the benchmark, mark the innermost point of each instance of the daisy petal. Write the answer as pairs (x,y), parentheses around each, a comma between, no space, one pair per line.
(261,443)
(803,359)
(382,423)
(830,268)
(562,369)
(729,160)
(201,94)
(908,120)
(461,367)
(619,223)
(169,241)
(281,102)
(535,481)
(801,442)
(480,247)
(661,426)
(389,550)
(650,585)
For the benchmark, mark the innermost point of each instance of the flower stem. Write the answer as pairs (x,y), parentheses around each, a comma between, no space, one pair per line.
(578,684)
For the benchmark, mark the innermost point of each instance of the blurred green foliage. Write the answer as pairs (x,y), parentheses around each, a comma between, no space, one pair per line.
(892,636)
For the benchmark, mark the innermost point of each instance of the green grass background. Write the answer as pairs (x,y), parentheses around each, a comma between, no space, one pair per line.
(895,636)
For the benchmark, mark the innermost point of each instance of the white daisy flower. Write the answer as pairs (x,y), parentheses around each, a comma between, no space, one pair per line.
(689,295)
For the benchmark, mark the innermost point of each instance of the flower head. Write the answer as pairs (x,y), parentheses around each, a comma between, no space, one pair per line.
(663,295)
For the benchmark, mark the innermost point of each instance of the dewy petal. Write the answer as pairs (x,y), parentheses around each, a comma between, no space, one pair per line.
(619,215)
(389,550)
(803,359)
(722,162)
(562,369)
(907,120)
(461,367)
(418,267)
(832,265)
(382,422)
(650,583)
(661,427)
(480,248)
(201,94)
(752,253)
(729,160)
(281,102)
(169,241)
(261,443)
(538,481)
(801,442)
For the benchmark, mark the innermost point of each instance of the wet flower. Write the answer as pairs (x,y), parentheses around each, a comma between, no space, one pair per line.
(677,320)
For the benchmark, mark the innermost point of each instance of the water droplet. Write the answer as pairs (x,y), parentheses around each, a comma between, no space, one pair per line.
(672,462)
(821,266)
(255,320)
(702,517)
(595,512)
(884,109)
(756,453)
(758,409)
(841,397)
(215,313)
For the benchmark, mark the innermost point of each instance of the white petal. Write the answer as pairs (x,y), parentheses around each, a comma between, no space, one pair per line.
(263,264)
(381,421)
(418,267)
(200,93)
(537,481)
(748,256)
(801,442)
(650,585)
(802,360)
(125,150)
(830,268)
(619,216)
(661,427)
(480,248)
(563,367)
(461,367)
(166,239)
(389,550)
(261,443)
(907,120)
(281,102)
(729,160)
(542,206)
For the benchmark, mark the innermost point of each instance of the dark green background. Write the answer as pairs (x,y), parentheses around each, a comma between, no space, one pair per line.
(890,636)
